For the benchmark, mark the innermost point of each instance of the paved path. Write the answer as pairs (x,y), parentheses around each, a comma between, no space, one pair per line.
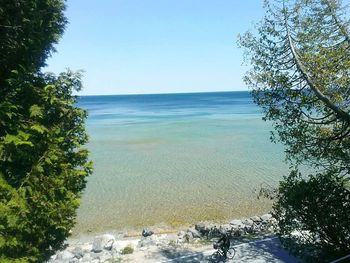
(261,251)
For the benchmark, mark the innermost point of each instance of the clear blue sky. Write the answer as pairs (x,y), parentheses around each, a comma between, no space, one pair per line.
(156,46)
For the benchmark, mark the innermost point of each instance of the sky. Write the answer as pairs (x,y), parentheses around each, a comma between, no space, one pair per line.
(156,46)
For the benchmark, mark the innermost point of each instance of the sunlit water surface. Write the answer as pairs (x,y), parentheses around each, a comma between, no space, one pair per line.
(175,159)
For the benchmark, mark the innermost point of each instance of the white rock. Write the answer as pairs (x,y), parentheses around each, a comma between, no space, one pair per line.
(248,222)
(236,222)
(64,255)
(105,241)
(266,217)
(195,233)
(225,228)
(256,218)
(273,221)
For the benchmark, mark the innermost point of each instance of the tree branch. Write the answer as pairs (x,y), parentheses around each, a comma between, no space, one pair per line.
(342,114)
(340,25)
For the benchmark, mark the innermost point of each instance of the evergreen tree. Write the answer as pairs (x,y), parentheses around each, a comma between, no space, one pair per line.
(43,166)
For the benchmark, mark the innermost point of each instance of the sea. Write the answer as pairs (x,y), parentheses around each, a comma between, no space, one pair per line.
(170,160)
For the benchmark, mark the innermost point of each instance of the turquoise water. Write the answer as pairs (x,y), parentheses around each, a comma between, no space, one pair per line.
(175,159)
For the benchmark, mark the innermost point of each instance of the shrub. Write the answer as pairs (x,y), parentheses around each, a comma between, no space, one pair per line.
(313,215)
(127,250)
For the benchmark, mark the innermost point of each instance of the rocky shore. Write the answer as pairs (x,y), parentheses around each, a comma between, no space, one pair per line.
(107,248)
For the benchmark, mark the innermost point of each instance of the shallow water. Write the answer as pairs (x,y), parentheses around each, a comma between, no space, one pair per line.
(175,159)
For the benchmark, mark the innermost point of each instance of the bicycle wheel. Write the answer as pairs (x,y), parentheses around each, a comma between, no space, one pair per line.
(231,253)
(216,257)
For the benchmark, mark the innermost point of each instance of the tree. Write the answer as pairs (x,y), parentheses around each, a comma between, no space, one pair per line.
(43,166)
(300,78)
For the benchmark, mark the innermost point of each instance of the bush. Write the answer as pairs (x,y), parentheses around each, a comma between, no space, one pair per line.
(127,250)
(313,215)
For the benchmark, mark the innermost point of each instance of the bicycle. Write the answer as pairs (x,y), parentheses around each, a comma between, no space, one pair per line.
(219,255)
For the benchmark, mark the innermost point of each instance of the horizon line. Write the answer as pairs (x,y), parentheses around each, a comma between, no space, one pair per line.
(164,93)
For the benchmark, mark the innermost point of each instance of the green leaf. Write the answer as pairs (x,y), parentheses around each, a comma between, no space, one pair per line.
(35,111)
(17,140)
(38,128)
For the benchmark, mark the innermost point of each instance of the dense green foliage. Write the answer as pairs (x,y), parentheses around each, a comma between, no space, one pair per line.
(300,77)
(321,205)
(28,30)
(43,168)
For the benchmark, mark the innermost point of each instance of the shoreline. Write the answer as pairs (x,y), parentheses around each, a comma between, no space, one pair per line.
(117,246)
(158,228)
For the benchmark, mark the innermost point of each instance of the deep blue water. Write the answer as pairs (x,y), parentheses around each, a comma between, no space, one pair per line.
(135,108)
